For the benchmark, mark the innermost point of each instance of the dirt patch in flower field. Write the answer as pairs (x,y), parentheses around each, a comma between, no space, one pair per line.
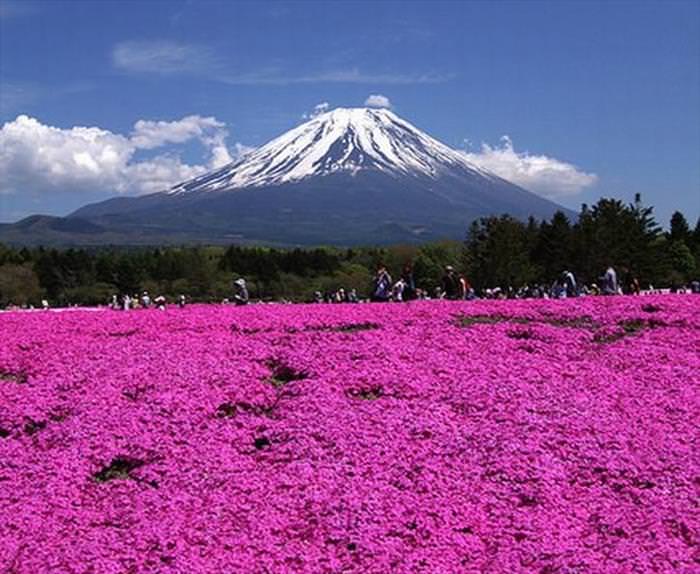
(127,333)
(584,322)
(626,328)
(231,410)
(347,328)
(12,376)
(282,374)
(602,333)
(370,393)
(120,467)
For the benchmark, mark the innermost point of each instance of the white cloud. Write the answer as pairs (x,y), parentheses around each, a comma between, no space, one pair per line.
(36,158)
(160,173)
(321,108)
(377,101)
(163,57)
(541,174)
(212,133)
(149,134)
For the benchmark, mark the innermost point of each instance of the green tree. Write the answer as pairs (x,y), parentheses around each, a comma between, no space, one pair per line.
(695,244)
(19,285)
(681,263)
(612,233)
(679,228)
(497,252)
(553,252)
(128,275)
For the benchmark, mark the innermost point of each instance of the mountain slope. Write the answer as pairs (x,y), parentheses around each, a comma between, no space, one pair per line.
(348,176)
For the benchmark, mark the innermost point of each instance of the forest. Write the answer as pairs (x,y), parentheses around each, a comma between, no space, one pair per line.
(496,251)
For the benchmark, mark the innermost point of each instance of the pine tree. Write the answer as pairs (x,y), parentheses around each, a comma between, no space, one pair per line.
(679,229)
(553,252)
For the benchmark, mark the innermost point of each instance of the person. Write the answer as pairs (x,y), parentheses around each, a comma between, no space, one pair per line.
(609,281)
(114,303)
(635,287)
(126,302)
(556,289)
(569,283)
(381,289)
(45,305)
(318,297)
(463,286)
(240,295)
(182,301)
(352,296)
(145,300)
(160,302)
(450,283)
(397,290)
(409,283)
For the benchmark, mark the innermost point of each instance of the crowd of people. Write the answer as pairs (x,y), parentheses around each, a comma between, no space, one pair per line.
(453,286)
(456,286)
(127,302)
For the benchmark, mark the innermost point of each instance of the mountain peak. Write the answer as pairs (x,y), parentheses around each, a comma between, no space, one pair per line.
(346,140)
(356,115)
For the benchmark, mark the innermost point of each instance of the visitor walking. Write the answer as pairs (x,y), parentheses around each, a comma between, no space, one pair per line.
(381,288)
(409,283)
(240,294)
(466,289)
(609,281)
(450,284)
(569,283)
(397,291)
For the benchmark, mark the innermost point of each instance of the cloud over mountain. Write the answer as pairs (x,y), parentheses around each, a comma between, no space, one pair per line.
(546,176)
(377,101)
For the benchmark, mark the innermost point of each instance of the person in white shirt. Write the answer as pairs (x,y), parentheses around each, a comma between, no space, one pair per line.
(610,282)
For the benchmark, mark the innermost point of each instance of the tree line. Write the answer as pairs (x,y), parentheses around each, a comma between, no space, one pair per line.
(497,251)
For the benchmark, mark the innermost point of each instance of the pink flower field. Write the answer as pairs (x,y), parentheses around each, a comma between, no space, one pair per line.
(430,437)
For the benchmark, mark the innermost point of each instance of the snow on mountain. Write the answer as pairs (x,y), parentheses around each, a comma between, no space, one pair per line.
(341,140)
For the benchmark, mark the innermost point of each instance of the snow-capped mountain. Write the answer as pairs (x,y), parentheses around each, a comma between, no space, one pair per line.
(342,140)
(344,177)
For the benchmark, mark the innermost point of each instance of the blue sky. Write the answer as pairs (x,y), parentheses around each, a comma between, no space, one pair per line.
(595,98)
